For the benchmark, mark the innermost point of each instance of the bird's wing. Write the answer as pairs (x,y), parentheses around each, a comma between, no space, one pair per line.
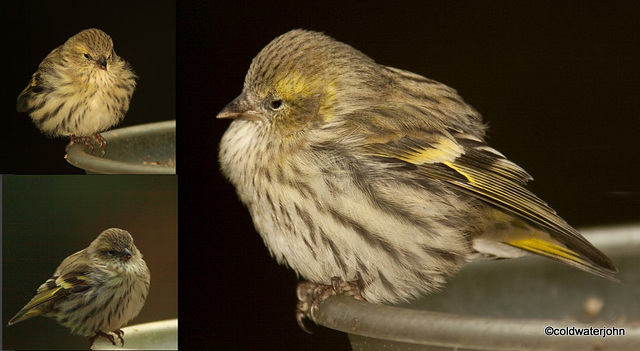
(465,162)
(55,288)
(34,86)
(37,83)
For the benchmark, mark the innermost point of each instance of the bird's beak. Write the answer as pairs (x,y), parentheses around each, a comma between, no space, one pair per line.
(102,62)
(239,108)
(126,255)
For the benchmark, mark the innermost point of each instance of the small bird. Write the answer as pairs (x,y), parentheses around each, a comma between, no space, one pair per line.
(376,182)
(96,290)
(80,89)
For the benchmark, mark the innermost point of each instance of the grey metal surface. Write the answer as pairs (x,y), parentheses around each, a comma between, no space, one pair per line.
(507,304)
(143,149)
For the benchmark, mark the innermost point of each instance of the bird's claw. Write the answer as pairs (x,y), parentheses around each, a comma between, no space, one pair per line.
(100,334)
(310,295)
(86,141)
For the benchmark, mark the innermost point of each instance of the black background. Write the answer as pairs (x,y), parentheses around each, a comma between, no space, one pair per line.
(143,33)
(558,84)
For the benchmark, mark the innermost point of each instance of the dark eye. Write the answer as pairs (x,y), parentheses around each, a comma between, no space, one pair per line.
(112,252)
(275,104)
(87,56)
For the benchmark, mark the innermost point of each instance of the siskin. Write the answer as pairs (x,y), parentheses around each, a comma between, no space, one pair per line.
(375,181)
(96,290)
(80,89)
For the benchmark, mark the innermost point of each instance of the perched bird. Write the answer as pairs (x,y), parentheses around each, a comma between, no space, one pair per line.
(375,181)
(96,290)
(80,89)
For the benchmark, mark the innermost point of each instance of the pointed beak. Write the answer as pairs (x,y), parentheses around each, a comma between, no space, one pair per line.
(102,62)
(239,108)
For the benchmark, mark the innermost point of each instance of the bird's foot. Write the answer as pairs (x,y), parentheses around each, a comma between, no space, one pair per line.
(86,141)
(120,335)
(101,142)
(310,295)
(100,334)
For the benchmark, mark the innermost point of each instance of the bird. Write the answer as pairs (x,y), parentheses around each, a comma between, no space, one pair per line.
(96,290)
(80,89)
(377,182)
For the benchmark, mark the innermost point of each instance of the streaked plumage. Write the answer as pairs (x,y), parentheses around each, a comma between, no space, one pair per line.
(372,174)
(80,89)
(96,290)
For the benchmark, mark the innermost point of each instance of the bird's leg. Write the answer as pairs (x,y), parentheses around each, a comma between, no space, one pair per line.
(104,335)
(101,142)
(310,295)
(84,140)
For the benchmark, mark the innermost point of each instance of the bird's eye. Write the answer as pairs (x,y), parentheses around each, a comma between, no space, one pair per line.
(275,104)
(112,252)
(87,56)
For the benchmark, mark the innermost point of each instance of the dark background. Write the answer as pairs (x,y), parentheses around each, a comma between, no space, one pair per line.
(143,33)
(558,83)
